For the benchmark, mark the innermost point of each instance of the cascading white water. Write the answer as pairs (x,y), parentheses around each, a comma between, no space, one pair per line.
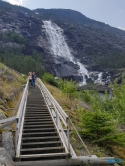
(99,80)
(59,48)
(58,45)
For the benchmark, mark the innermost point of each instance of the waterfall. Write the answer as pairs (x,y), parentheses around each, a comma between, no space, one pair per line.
(59,48)
(99,80)
(58,45)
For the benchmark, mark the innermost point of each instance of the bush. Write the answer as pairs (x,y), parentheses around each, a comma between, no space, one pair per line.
(100,128)
(68,87)
(49,78)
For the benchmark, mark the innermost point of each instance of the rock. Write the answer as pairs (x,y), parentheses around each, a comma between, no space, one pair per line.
(2,107)
(5,158)
(77,78)
(7,138)
(7,143)
(94,68)
(2,116)
(1,102)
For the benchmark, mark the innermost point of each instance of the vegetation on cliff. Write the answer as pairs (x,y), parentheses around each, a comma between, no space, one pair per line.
(12,54)
(10,89)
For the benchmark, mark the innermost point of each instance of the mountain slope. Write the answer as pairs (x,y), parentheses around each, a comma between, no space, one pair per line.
(96,45)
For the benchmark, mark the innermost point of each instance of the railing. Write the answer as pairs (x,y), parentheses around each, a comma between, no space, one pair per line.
(62,123)
(61,119)
(6,67)
(20,120)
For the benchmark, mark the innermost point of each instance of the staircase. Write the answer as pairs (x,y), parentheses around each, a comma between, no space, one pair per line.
(40,139)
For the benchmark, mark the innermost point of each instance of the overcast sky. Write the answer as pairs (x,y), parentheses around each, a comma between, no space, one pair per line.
(111,12)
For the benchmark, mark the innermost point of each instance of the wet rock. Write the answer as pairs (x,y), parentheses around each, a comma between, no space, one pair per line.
(77,78)
(94,68)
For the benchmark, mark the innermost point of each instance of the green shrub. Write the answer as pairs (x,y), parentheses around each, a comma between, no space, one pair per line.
(100,128)
(49,78)
(68,87)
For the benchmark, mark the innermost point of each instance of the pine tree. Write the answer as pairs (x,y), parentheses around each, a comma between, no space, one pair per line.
(100,128)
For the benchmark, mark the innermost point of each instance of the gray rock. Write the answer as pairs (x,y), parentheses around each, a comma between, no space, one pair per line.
(2,116)
(7,139)
(1,101)
(5,158)
(7,143)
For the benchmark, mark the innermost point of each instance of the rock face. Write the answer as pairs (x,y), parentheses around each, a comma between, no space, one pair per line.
(90,42)
(8,144)
(7,139)
(6,158)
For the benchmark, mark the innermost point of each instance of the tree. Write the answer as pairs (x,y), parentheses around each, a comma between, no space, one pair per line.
(100,128)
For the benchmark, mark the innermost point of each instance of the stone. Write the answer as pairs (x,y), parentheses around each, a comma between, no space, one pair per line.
(5,158)
(1,101)
(7,143)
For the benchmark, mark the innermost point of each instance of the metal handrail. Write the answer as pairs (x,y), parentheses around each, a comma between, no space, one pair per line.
(19,120)
(60,117)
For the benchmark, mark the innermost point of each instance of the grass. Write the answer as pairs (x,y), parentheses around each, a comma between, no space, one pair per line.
(10,83)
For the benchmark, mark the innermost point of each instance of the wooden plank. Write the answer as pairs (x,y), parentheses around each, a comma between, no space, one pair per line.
(41,129)
(47,148)
(40,143)
(64,162)
(39,133)
(30,138)
(7,124)
(43,155)
(8,119)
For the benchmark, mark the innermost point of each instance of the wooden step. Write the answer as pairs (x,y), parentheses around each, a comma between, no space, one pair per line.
(31,123)
(41,143)
(39,129)
(40,139)
(38,120)
(44,155)
(42,149)
(35,126)
(29,114)
(39,117)
(39,133)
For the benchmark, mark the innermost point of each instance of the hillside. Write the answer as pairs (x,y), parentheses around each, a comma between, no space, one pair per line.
(10,88)
(71,107)
(97,46)
(10,93)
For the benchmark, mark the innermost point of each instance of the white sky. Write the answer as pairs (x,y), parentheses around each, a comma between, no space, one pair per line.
(111,12)
(17,2)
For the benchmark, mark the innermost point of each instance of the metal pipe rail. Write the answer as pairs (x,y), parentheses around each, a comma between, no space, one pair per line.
(60,118)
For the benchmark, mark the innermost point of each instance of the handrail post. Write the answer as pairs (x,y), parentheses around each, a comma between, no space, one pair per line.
(57,117)
(16,134)
(68,133)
